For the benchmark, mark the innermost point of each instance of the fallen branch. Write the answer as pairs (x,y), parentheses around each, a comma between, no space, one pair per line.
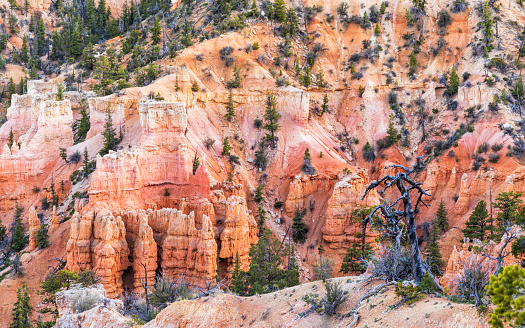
(367,295)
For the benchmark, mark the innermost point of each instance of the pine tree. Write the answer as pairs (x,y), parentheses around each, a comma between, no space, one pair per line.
(377,31)
(354,260)
(110,139)
(54,195)
(226,146)
(393,135)
(266,274)
(86,166)
(307,79)
(299,228)
(272,117)
(441,220)
(91,20)
(102,15)
(279,9)
(324,106)
(518,92)
(230,108)
(42,236)
(432,252)
(10,139)
(382,9)
(20,240)
(155,31)
(40,42)
(24,52)
(238,285)
(195,86)
(476,226)
(453,82)
(261,215)
(21,308)
(83,124)
(291,25)
(60,92)
(508,215)
(508,294)
(486,24)
(254,11)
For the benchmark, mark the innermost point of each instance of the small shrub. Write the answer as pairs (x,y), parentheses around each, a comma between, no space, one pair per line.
(407,292)
(208,142)
(88,278)
(496,147)
(334,297)
(323,268)
(494,157)
(167,290)
(85,302)
(483,148)
(75,157)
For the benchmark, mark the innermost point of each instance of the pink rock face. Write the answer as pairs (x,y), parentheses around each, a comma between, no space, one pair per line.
(339,229)
(459,258)
(240,231)
(34,225)
(109,250)
(144,256)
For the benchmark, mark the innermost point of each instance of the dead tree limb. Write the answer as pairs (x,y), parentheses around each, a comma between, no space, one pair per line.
(404,184)
(374,291)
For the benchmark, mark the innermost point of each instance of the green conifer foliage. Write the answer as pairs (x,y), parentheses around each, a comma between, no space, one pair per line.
(508,294)
(21,308)
(476,226)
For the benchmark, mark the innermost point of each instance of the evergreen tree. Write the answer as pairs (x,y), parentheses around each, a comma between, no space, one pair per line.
(307,79)
(24,52)
(42,236)
(393,135)
(453,82)
(60,92)
(226,146)
(195,86)
(279,10)
(86,164)
(83,124)
(230,108)
(155,31)
(102,15)
(291,25)
(110,139)
(476,226)
(377,31)
(508,215)
(40,39)
(10,139)
(20,240)
(254,11)
(3,42)
(21,308)
(354,260)
(382,8)
(518,92)
(91,19)
(238,285)
(266,274)
(486,24)
(508,294)
(3,233)
(54,195)
(432,252)
(272,117)
(441,220)
(324,106)
(299,228)
(261,215)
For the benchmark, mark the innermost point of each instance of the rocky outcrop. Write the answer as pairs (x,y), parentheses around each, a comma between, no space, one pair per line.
(34,226)
(109,250)
(339,228)
(144,256)
(463,201)
(240,231)
(104,314)
(461,257)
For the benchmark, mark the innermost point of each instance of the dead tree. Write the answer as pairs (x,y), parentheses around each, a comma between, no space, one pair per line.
(394,217)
